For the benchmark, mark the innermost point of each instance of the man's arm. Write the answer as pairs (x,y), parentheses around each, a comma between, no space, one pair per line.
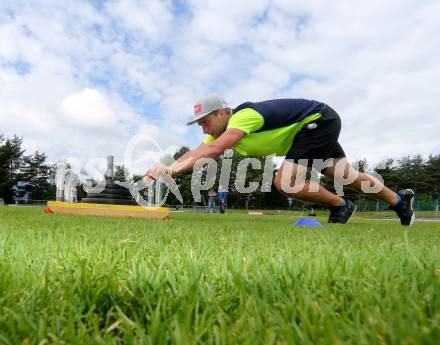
(212,150)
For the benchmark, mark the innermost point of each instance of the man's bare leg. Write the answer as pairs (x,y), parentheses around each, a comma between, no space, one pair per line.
(290,181)
(380,191)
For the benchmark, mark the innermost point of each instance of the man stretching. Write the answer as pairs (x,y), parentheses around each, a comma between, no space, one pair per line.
(305,132)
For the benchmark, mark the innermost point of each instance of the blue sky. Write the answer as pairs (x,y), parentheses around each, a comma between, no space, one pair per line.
(80,78)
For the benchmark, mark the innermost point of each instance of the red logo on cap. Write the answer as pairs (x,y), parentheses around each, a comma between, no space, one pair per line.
(197,108)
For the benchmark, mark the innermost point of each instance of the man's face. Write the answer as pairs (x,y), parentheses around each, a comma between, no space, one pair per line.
(214,123)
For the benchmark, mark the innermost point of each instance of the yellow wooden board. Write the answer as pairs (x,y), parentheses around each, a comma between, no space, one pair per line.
(87,209)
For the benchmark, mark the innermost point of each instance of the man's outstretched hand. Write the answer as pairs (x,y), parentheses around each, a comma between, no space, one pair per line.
(156,171)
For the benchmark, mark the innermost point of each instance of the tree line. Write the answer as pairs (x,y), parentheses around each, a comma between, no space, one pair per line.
(24,175)
(31,176)
(414,172)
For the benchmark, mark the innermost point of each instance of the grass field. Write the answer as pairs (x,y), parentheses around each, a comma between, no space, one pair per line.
(202,279)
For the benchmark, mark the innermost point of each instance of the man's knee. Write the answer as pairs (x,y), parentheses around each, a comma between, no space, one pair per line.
(281,187)
(340,171)
(290,186)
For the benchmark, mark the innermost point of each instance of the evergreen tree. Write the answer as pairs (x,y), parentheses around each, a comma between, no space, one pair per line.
(414,173)
(182,181)
(3,169)
(432,173)
(11,161)
(35,177)
(120,173)
(388,171)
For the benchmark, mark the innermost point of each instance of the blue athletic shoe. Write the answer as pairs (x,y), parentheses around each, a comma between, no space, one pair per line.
(341,214)
(404,208)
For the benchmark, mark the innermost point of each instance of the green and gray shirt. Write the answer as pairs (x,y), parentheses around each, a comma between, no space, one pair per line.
(270,126)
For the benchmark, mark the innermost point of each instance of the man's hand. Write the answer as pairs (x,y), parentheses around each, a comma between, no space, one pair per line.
(156,171)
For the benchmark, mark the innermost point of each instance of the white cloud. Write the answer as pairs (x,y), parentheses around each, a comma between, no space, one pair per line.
(88,109)
(97,77)
(149,19)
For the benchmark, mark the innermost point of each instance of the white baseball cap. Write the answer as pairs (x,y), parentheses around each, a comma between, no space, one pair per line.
(207,105)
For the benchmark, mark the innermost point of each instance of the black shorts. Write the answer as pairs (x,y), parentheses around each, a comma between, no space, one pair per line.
(318,139)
